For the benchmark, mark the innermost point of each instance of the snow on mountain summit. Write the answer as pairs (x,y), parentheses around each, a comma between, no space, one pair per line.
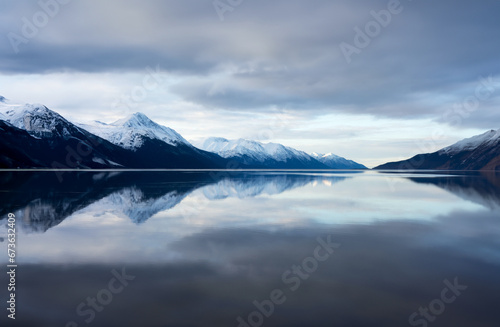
(254,150)
(325,156)
(136,120)
(36,119)
(130,131)
(473,143)
(336,162)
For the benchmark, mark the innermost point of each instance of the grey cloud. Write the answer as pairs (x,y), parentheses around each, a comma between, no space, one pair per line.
(280,53)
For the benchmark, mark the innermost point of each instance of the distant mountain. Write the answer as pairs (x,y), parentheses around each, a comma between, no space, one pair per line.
(34,136)
(272,155)
(481,152)
(259,155)
(335,162)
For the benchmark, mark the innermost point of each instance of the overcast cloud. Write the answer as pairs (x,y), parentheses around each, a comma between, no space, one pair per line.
(266,58)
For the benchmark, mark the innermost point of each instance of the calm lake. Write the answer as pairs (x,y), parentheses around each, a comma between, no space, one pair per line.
(252,248)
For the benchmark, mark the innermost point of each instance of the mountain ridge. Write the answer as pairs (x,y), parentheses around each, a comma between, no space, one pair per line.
(334,161)
(274,155)
(480,152)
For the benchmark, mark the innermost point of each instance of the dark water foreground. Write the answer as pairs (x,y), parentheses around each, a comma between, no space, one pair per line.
(252,249)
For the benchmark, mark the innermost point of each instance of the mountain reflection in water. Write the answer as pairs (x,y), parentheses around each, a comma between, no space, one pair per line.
(203,247)
(41,201)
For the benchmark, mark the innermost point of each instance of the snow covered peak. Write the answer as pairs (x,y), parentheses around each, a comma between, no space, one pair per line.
(212,142)
(230,147)
(325,156)
(137,119)
(254,150)
(275,149)
(472,143)
(130,132)
(36,119)
(336,162)
(2,99)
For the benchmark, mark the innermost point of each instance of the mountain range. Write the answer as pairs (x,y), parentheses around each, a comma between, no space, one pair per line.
(33,136)
(272,155)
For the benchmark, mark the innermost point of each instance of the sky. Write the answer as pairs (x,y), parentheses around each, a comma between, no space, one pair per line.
(373,81)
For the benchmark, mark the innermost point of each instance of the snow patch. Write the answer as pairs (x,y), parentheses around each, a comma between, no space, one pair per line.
(98,160)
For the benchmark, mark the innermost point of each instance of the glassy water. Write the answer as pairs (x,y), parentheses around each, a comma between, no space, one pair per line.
(253,248)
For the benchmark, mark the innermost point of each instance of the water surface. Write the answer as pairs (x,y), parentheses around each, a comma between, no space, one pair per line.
(217,248)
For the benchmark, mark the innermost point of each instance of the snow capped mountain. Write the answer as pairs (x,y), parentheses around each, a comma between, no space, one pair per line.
(128,133)
(481,152)
(131,132)
(282,153)
(227,149)
(273,155)
(489,138)
(259,155)
(36,119)
(35,136)
(328,155)
(335,162)
(153,146)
